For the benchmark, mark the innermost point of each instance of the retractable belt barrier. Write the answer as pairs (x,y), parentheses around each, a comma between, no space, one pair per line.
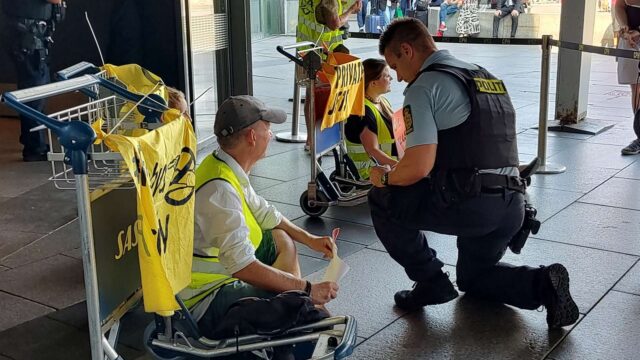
(546,42)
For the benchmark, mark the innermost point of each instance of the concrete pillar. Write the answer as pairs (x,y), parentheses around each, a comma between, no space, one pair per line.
(572,87)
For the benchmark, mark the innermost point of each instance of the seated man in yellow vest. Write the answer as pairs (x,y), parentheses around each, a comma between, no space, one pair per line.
(243,246)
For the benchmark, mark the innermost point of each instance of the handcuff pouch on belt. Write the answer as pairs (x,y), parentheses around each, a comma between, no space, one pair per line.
(34,37)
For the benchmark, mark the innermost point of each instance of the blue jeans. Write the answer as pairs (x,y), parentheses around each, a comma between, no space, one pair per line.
(362,14)
(446,10)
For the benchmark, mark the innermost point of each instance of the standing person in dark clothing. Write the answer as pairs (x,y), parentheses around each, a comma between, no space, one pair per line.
(628,15)
(504,9)
(458,176)
(28,30)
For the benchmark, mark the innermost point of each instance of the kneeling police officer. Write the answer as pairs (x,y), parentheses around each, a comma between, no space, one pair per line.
(458,176)
(27,32)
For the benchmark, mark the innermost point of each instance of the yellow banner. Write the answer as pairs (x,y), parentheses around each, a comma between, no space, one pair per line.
(162,165)
(346,75)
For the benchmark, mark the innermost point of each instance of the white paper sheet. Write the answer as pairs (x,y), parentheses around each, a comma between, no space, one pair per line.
(337,268)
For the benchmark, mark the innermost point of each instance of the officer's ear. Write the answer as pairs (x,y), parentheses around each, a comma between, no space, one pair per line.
(406,50)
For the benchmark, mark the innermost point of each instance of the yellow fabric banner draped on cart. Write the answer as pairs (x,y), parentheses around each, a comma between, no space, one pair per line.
(162,164)
(346,75)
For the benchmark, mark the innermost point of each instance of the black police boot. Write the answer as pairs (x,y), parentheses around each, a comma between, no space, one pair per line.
(437,290)
(555,296)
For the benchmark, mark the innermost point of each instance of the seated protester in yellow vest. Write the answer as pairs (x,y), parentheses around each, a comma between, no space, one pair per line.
(371,135)
(243,246)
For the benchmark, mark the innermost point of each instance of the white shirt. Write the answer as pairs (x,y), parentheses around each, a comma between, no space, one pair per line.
(220,222)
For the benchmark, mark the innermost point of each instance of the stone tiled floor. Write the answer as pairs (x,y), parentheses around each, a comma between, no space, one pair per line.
(591,217)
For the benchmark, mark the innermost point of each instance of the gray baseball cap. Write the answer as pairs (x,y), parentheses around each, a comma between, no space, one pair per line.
(238,112)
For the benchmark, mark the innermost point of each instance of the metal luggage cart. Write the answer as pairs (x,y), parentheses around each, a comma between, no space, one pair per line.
(113,286)
(343,186)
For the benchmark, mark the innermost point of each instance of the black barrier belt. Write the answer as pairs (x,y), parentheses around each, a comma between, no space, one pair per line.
(629,54)
(463,40)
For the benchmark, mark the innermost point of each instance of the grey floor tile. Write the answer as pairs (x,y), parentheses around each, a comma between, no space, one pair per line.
(12,241)
(592,272)
(16,180)
(291,212)
(631,172)
(631,281)
(286,166)
(574,179)
(16,310)
(56,281)
(277,147)
(45,338)
(548,202)
(286,192)
(463,329)
(611,330)
(601,227)
(310,265)
(592,155)
(74,253)
(258,183)
(74,315)
(63,239)
(617,135)
(39,210)
(360,214)
(372,280)
(345,248)
(616,192)
(349,231)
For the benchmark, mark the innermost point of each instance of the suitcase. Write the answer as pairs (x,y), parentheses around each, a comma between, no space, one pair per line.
(423,16)
(374,24)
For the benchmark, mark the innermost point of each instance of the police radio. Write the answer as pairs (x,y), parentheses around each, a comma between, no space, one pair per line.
(59,12)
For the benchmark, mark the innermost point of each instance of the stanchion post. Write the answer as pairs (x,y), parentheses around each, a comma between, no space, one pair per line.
(294,136)
(544,167)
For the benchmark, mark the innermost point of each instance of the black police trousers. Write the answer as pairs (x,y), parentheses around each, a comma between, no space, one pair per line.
(32,71)
(484,226)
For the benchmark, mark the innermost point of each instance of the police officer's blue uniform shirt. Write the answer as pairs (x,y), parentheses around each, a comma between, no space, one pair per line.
(435,101)
(438,101)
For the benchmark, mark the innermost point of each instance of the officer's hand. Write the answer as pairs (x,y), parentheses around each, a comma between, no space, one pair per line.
(515,13)
(322,293)
(376,175)
(498,12)
(54,1)
(321,244)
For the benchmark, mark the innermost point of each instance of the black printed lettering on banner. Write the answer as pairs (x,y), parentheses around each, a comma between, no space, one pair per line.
(140,173)
(162,235)
(180,191)
(348,75)
(408,120)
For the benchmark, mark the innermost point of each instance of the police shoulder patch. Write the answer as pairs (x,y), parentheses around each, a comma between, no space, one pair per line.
(408,119)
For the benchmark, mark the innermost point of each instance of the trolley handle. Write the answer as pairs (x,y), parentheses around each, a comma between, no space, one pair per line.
(49,90)
(81,68)
(283,50)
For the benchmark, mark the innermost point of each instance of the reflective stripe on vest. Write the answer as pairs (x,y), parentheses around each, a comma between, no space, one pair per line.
(357,152)
(309,29)
(207,274)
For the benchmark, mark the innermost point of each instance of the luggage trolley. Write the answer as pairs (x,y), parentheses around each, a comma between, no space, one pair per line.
(113,289)
(343,187)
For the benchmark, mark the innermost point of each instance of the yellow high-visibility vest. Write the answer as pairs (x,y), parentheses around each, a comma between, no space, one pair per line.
(357,152)
(207,274)
(310,30)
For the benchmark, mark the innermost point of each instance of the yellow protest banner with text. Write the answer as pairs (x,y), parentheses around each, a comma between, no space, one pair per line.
(162,164)
(345,73)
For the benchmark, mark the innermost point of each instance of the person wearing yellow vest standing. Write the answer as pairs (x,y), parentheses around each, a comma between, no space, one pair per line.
(243,246)
(371,136)
(319,21)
